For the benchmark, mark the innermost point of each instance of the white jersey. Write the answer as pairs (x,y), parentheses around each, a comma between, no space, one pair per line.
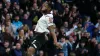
(43,23)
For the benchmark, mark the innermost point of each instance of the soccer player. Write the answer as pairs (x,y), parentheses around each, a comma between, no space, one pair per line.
(44,26)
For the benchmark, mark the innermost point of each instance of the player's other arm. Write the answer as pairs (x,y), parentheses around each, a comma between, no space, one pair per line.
(52,32)
(51,28)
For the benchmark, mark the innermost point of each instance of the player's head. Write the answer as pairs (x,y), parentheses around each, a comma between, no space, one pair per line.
(45,8)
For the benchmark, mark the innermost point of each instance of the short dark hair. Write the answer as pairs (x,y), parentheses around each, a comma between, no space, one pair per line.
(6,41)
(16,15)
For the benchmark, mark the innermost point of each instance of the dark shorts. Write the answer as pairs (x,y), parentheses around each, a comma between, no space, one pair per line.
(38,41)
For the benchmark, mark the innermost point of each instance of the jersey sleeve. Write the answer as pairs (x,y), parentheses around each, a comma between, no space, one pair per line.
(49,21)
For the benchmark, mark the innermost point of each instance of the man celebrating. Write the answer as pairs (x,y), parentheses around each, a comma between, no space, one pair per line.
(44,26)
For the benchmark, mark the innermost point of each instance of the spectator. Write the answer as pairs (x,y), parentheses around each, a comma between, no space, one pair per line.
(66,14)
(16,9)
(7,36)
(21,12)
(57,19)
(17,24)
(66,26)
(79,28)
(98,23)
(93,47)
(65,46)
(82,51)
(89,26)
(41,53)
(85,37)
(58,5)
(35,7)
(26,20)
(8,16)
(31,34)
(70,22)
(71,44)
(25,28)
(71,31)
(20,37)
(98,34)
(10,26)
(8,6)
(18,51)
(95,33)
(27,41)
(6,49)
(73,12)
(62,31)
(87,19)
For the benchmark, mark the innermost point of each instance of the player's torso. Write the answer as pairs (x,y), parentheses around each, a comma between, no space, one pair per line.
(42,24)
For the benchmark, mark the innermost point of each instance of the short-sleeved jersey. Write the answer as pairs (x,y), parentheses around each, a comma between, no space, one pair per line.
(43,23)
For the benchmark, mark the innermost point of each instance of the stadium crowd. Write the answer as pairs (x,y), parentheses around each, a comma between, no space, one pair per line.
(77,27)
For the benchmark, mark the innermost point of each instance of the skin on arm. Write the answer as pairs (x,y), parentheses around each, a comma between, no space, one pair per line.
(52,32)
